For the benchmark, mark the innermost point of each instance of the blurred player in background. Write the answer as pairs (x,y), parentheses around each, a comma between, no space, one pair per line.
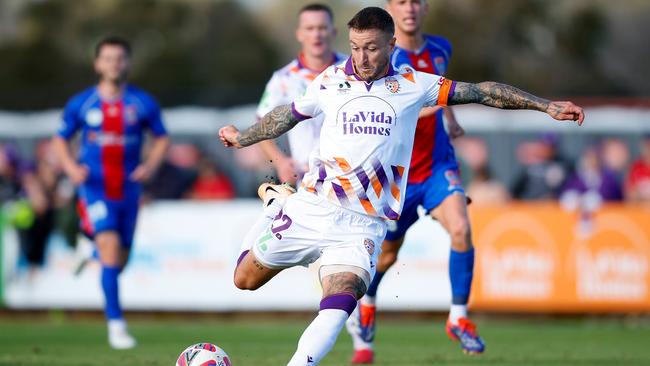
(357,177)
(112,117)
(433,183)
(315,33)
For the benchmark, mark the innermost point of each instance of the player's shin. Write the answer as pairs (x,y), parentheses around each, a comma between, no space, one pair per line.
(319,337)
(110,287)
(461,271)
(118,335)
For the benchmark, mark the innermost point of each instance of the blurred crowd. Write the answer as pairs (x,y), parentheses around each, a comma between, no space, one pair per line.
(604,171)
(38,199)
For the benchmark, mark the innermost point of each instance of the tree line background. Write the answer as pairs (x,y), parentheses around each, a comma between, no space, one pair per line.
(220,53)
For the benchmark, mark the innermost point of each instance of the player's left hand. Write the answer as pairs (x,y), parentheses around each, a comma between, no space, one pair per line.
(228,135)
(566,111)
(141,173)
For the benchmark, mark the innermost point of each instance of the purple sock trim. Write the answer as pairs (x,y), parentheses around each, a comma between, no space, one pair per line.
(344,301)
(242,256)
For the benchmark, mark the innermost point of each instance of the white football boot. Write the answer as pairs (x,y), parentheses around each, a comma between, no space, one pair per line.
(269,192)
(119,336)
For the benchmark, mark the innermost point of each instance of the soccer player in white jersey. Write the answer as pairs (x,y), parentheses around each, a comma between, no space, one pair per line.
(315,33)
(357,176)
(433,184)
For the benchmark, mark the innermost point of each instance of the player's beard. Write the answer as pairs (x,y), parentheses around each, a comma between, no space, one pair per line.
(380,71)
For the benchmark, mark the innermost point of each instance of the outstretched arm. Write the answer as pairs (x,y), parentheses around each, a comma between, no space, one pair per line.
(272,125)
(508,97)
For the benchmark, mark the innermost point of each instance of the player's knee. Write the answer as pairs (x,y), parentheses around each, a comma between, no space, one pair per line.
(337,279)
(111,258)
(460,235)
(244,282)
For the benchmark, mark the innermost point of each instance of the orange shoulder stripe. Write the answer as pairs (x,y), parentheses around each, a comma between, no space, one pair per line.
(443,93)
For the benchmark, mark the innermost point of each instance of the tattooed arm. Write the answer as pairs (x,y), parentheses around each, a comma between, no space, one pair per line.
(272,125)
(508,97)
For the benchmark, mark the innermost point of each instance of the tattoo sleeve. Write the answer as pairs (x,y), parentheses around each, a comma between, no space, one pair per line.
(496,95)
(272,125)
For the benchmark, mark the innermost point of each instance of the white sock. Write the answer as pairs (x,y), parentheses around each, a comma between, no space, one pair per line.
(319,337)
(368,300)
(456,312)
(116,326)
(262,223)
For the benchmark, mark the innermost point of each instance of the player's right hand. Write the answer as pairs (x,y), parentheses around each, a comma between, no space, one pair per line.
(77,173)
(228,135)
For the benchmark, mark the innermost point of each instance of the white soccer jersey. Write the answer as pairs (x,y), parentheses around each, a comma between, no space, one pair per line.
(286,85)
(367,135)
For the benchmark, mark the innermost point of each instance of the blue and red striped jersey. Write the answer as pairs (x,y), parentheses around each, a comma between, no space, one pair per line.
(111,134)
(432,145)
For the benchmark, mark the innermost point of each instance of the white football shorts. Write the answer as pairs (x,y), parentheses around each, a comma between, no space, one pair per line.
(309,227)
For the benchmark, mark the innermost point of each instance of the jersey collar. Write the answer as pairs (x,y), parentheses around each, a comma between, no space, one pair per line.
(303,65)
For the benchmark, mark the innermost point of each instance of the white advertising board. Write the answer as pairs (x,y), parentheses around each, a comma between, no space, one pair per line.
(184,256)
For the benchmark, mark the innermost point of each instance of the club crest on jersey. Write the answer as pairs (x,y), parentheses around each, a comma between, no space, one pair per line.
(94,117)
(370,246)
(391,84)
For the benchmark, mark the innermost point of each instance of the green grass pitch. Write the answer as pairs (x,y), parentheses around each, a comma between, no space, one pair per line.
(269,342)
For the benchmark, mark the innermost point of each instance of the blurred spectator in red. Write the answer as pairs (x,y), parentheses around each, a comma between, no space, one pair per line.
(544,171)
(210,183)
(176,175)
(616,157)
(591,177)
(637,185)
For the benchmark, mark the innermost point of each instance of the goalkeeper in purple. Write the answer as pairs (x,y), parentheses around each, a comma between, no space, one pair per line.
(112,117)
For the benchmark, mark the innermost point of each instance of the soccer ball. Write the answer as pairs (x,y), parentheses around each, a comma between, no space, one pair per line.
(203,354)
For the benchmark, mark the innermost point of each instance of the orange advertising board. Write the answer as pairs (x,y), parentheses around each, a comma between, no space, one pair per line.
(539,257)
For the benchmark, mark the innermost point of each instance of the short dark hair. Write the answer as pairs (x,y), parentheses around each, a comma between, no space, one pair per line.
(318,7)
(372,17)
(113,41)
